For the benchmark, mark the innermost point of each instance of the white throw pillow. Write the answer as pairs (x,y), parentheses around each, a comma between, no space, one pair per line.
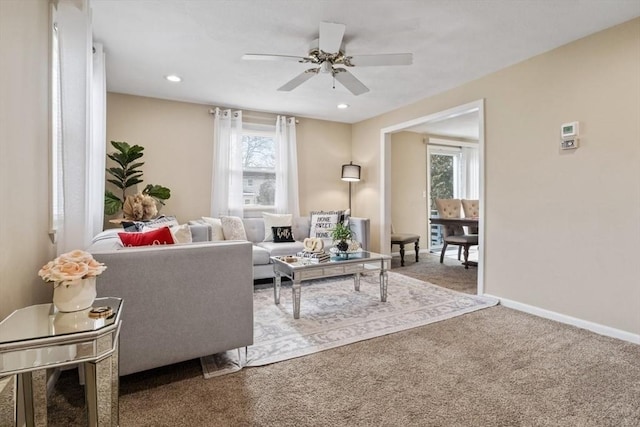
(181,233)
(216,228)
(275,220)
(322,223)
(233,228)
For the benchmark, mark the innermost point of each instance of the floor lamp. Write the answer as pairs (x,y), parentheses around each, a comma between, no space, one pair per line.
(350,173)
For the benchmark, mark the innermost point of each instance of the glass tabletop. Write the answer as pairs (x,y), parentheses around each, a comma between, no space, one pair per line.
(334,258)
(45,321)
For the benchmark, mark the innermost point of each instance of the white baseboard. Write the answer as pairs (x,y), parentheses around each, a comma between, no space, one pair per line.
(563,318)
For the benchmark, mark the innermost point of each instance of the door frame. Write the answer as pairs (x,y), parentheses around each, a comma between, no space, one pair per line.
(385,176)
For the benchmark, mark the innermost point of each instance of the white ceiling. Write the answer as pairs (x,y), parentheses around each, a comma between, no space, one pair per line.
(452,42)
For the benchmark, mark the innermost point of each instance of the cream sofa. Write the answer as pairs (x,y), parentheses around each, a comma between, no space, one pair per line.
(180,301)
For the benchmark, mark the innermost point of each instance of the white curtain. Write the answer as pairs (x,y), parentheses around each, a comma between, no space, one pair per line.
(286,198)
(57,171)
(470,173)
(97,148)
(79,128)
(226,179)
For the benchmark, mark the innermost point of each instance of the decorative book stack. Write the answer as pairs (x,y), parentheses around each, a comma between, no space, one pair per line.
(314,256)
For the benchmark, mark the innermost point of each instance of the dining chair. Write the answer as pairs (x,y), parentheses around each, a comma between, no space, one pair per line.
(471,209)
(454,234)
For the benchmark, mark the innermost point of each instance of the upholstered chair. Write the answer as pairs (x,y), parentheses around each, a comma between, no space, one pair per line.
(454,234)
(471,209)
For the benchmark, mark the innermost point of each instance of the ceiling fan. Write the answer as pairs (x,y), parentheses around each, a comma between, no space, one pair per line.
(327,51)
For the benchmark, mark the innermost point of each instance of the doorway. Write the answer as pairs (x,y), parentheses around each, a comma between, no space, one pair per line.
(477,107)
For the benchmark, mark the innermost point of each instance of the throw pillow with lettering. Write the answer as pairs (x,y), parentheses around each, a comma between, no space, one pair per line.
(282,234)
(322,223)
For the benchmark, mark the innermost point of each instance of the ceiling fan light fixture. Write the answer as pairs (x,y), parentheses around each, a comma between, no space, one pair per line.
(326,67)
(343,106)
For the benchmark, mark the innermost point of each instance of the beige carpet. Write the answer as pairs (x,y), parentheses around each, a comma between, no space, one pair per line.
(333,314)
(493,367)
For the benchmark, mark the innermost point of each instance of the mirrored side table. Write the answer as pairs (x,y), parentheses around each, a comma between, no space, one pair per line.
(36,338)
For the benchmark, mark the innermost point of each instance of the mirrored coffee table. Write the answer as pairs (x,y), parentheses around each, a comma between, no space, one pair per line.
(301,269)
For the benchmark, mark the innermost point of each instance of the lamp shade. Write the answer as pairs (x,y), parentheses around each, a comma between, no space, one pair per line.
(351,172)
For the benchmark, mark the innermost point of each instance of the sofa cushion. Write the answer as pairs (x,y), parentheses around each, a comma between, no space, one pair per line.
(254,227)
(216,227)
(159,236)
(181,234)
(106,240)
(278,249)
(233,228)
(274,220)
(200,231)
(260,255)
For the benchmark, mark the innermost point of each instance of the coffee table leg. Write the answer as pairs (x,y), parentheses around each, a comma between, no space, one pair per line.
(277,281)
(383,285)
(356,281)
(296,299)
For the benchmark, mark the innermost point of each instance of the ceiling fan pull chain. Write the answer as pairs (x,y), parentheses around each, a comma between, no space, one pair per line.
(333,76)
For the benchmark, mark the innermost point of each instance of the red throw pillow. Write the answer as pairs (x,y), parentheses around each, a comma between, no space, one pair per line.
(159,236)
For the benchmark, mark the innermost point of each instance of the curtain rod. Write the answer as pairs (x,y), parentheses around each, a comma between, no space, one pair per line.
(256,116)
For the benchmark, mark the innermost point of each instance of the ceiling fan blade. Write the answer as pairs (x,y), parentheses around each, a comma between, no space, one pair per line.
(331,37)
(349,81)
(267,57)
(298,80)
(374,60)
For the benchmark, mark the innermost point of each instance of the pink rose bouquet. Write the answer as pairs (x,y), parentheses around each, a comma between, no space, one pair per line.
(70,268)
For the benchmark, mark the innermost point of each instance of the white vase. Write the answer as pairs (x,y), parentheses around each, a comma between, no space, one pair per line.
(75,297)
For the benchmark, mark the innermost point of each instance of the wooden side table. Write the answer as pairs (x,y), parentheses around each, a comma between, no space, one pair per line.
(36,338)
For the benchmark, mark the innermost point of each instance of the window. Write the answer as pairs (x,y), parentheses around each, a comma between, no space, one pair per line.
(452,173)
(258,170)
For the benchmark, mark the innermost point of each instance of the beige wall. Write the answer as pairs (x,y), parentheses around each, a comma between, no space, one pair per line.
(408,182)
(24,217)
(561,227)
(178,137)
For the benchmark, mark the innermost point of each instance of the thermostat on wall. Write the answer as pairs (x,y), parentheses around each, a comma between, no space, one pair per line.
(569,130)
(569,135)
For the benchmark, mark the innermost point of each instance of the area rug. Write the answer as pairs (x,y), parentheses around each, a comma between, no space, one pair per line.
(333,314)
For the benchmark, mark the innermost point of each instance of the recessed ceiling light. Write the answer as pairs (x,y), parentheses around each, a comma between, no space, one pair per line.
(343,106)
(173,78)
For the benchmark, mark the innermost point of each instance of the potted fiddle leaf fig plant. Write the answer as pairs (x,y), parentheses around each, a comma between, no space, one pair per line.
(127,174)
(341,234)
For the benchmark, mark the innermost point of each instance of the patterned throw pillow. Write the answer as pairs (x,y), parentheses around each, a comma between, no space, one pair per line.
(159,236)
(233,228)
(282,234)
(322,223)
(275,220)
